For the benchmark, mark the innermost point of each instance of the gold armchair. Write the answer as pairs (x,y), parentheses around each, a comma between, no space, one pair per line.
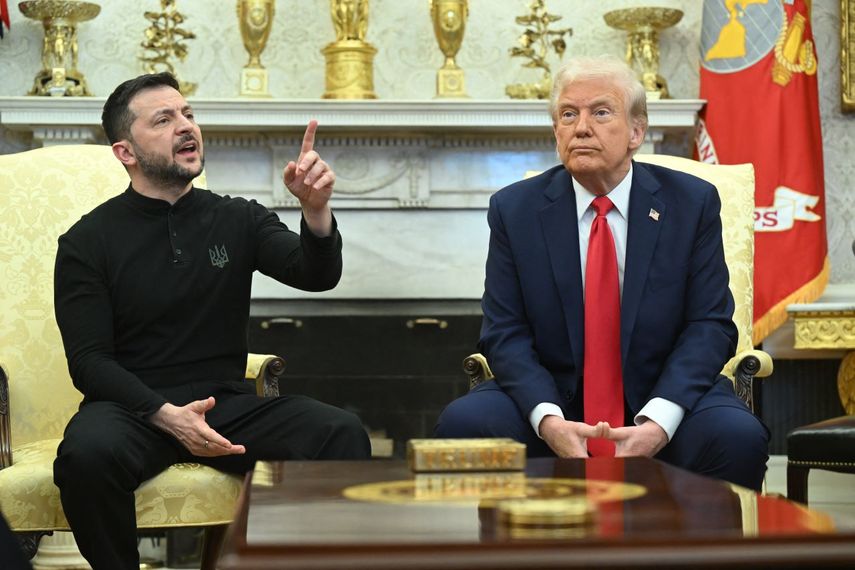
(735,185)
(42,193)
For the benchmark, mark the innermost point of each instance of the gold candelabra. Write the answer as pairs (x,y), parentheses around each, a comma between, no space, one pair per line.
(449,23)
(59,75)
(349,59)
(535,43)
(164,40)
(642,43)
(256,20)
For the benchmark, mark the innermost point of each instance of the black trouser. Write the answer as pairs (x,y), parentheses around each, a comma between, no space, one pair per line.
(109,451)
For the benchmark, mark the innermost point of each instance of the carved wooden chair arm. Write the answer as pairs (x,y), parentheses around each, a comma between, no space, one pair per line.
(265,370)
(5,423)
(475,366)
(744,368)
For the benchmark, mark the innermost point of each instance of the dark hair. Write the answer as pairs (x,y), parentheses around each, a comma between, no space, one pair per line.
(116,118)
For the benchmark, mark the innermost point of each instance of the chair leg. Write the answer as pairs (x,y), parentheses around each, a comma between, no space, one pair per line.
(212,545)
(29,541)
(797,483)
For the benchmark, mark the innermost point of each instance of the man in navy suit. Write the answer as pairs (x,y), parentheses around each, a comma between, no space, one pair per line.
(675,329)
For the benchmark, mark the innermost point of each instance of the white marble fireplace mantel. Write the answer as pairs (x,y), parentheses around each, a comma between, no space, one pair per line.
(32,113)
(413,177)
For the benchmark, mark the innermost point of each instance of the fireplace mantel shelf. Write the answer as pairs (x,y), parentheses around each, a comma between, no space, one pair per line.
(31,113)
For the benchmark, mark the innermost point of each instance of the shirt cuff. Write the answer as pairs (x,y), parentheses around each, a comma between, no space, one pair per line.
(330,242)
(664,412)
(540,411)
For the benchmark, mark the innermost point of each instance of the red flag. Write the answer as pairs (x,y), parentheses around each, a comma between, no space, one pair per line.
(4,17)
(758,75)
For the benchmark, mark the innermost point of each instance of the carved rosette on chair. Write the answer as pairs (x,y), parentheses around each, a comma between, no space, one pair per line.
(349,59)
(256,20)
(642,43)
(59,75)
(449,23)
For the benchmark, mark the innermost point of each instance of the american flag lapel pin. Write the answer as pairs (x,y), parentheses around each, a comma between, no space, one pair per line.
(654,215)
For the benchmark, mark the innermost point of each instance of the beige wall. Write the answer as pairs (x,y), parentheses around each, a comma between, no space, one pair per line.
(408,57)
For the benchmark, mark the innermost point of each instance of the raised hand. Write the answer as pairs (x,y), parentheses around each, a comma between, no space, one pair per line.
(309,178)
(187,424)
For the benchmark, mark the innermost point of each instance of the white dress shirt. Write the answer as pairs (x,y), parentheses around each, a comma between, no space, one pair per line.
(664,412)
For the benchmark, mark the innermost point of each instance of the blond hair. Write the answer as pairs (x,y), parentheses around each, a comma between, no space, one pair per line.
(602,67)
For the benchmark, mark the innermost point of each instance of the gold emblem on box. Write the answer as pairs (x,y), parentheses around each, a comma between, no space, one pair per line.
(487,454)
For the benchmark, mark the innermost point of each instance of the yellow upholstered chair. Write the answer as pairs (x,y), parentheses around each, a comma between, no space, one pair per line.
(735,184)
(42,193)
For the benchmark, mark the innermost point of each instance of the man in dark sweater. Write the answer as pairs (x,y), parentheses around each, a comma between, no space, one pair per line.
(152,292)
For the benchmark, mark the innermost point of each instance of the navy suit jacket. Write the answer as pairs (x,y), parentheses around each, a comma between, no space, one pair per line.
(676,309)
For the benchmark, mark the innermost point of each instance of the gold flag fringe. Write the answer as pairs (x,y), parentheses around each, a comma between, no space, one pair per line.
(777,315)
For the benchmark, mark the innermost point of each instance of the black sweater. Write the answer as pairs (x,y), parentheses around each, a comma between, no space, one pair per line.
(151,296)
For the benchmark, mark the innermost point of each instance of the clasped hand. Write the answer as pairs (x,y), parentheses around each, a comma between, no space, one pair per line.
(570,439)
(187,424)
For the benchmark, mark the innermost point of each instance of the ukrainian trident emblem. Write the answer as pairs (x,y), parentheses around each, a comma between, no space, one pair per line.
(219,256)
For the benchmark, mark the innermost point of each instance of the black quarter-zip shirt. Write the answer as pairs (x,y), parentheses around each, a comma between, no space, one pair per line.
(151,296)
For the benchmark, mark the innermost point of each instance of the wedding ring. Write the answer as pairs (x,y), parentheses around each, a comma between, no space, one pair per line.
(206,444)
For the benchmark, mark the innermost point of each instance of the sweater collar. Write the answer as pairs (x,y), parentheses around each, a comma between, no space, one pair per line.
(137,200)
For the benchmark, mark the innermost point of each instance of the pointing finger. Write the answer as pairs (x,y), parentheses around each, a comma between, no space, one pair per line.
(309,138)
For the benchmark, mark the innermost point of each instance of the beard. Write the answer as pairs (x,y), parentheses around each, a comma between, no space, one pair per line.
(160,169)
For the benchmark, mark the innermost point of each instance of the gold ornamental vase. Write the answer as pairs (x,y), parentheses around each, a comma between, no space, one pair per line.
(449,23)
(256,20)
(642,43)
(59,75)
(349,59)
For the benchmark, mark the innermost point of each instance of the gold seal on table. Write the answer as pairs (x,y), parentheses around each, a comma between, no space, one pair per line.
(555,512)
(546,518)
(485,454)
(488,489)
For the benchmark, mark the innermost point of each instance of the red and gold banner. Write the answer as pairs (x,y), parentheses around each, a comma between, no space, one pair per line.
(4,17)
(758,75)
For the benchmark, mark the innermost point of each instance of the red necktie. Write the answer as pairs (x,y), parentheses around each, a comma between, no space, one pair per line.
(602,375)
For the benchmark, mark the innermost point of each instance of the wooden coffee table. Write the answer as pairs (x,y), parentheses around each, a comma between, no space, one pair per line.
(378,515)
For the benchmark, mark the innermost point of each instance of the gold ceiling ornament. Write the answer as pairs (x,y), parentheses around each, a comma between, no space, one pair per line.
(449,23)
(349,59)
(164,40)
(535,43)
(256,20)
(642,43)
(59,75)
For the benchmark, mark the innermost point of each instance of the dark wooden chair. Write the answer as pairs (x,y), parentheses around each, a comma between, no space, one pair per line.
(828,445)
